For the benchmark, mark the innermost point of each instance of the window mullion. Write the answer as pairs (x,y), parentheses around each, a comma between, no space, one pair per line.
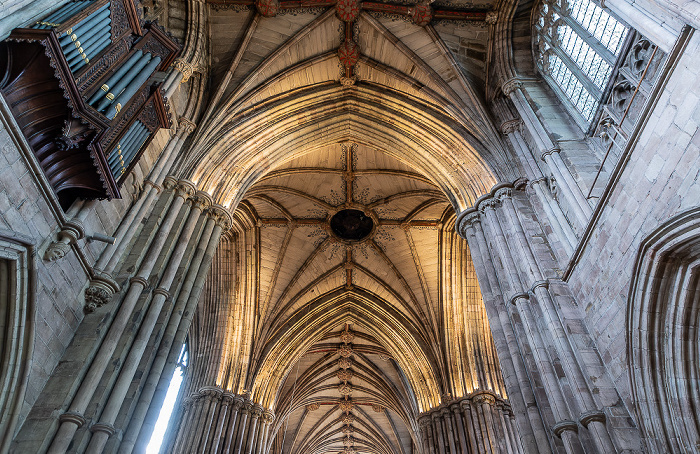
(587,83)
(591,40)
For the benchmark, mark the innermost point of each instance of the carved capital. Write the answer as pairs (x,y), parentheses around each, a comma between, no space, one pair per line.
(185,126)
(562,426)
(95,297)
(169,182)
(489,204)
(69,234)
(504,193)
(510,85)
(185,189)
(184,67)
(466,220)
(511,126)
(201,200)
(484,398)
(221,216)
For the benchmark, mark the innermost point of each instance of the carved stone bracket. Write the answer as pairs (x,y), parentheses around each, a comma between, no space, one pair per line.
(70,232)
(99,291)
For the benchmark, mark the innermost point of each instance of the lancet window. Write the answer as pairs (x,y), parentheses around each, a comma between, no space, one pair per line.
(577,45)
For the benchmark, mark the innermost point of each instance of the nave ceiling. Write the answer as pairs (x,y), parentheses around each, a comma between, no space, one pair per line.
(348,341)
(283,84)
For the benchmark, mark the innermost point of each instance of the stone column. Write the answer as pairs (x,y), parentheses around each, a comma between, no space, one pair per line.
(148,408)
(555,215)
(138,347)
(516,376)
(223,415)
(550,153)
(231,431)
(130,223)
(513,286)
(460,424)
(552,324)
(138,283)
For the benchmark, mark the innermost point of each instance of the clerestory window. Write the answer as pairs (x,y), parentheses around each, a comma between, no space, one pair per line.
(577,44)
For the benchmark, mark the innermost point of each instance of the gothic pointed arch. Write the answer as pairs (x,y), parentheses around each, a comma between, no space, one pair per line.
(663,315)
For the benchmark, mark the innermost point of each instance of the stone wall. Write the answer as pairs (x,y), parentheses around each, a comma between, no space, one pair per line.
(660,179)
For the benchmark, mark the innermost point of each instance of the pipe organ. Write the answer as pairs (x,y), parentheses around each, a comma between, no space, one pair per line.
(80,84)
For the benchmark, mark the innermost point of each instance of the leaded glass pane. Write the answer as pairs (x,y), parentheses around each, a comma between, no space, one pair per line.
(600,24)
(572,88)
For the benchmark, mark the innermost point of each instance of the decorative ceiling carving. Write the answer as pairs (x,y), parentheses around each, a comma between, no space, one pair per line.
(321,73)
(339,336)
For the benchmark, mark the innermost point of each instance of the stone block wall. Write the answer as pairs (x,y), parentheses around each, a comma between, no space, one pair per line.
(661,179)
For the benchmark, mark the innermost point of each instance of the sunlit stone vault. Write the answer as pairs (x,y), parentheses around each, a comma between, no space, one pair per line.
(321,329)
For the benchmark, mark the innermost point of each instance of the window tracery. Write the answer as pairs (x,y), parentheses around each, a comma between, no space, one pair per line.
(577,44)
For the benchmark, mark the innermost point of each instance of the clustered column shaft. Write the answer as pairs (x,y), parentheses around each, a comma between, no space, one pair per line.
(481,423)
(497,238)
(173,241)
(215,421)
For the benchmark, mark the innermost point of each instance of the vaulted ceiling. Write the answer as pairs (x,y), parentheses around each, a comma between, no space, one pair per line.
(349,325)
(314,74)
(348,328)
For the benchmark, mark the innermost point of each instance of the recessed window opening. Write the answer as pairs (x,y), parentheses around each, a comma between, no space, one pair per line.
(577,44)
(166,410)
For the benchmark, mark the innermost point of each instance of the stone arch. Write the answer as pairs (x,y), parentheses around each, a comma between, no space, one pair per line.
(361,307)
(663,316)
(17,298)
(255,141)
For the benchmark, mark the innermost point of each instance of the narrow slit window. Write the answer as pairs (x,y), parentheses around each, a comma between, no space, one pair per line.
(166,411)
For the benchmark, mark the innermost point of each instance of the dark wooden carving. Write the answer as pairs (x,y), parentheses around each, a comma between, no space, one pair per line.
(70,139)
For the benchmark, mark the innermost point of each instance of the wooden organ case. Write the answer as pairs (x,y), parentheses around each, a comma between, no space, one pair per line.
(80,84)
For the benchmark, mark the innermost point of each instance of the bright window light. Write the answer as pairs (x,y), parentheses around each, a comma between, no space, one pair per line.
(166,410)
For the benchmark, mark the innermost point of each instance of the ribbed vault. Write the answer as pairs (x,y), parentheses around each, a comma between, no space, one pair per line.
(374,332)
(415,94)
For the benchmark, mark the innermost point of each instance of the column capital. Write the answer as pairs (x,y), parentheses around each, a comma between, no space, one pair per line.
(511,126)
(503,193)
(185,189)
(518,296)
(185,67)
(565,425)
(591,416)
(201,200)
(221,216)
(169,182)
(549,152)
(488,204)
(510,85)
(109,429)
(185,126)
(73,417)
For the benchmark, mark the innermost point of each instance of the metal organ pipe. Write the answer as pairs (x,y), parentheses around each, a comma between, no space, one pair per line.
(134,85)
(114,78)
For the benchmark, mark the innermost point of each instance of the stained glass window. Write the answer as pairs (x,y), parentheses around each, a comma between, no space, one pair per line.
(577,44)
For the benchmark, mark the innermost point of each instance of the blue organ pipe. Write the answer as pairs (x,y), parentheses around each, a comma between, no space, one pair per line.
(124,81)
(71,12)
(136,145)
(70,8)
(114,78)
(127,140)
(87,27)
(99,47)
(70,51)
(134,85)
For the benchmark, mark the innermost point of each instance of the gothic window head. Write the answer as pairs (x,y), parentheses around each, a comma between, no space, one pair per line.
(576,46)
